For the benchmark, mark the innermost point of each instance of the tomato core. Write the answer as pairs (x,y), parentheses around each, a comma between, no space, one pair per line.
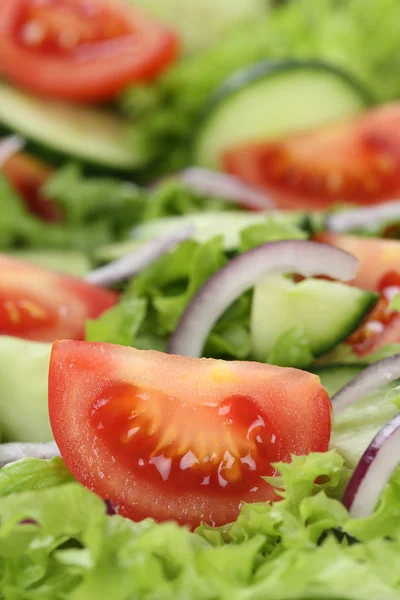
(170,442)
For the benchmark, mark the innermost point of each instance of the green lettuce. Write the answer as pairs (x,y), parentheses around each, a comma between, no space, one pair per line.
(97,211)
(57,542)
(359,35)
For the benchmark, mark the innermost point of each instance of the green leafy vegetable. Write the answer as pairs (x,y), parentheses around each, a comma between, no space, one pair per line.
(119,324)
(57,542)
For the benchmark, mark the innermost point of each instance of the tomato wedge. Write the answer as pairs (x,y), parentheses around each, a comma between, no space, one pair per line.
(355,161)
(84,50)
(169,437)
(39,304)
(379,270)
(27,175)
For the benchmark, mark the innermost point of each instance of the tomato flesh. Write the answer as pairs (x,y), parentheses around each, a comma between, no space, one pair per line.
(379,271)
(39,304)
(27,175)
(356,161)
(81,50)
(237,440)
(170,437)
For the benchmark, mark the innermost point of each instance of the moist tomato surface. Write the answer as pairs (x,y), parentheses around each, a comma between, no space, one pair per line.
(43,305)
(170,437)
(27,175)
(356,161)
(84,50)
(379,271)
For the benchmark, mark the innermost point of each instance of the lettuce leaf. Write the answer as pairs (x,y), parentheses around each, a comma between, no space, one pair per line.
(359,35)
(57,542)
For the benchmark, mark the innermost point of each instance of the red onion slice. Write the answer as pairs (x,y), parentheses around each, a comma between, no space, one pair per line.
(14,451)
(370,379)
(242,273)
(373,471)
(366,218)
(9,146)
(132,264)
(226,187)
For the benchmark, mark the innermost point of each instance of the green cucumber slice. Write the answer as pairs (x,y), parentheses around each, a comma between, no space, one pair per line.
(94,135)
(329,312)
(273,99)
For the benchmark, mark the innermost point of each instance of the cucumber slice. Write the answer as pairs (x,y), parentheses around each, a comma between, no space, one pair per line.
(328,310)
(24,367)
(72,263)
(94,135)
(269,100)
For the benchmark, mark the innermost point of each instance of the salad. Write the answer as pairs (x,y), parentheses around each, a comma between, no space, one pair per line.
(199,300)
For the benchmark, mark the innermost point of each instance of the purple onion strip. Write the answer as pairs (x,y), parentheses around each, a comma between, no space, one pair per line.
(373,471)
(367,217)
(370,379)
(9,146)
(131,265)
(226,187)
(242,273)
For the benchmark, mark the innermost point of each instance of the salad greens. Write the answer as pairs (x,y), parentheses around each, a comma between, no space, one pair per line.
(58,542)
(96,210)
(337,31)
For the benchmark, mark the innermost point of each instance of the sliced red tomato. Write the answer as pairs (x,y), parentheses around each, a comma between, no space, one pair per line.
(27,175)
(379,270)
(85,50)
(356,161)
(179,438)
(39,304)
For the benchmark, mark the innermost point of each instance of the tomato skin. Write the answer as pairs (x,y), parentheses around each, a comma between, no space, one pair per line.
(379,271)
(81,50)
(90,384)
(355,161)
(27,175)
(43,305)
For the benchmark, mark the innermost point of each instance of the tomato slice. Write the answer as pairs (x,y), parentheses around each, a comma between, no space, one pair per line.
(39,304)
(27,175)
(355,161)
(84,50)
(179,438)
(379,270)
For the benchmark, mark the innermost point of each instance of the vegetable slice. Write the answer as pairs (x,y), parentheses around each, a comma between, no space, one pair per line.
(224,186)
(242,273)
(179,438)
(363,218)
(371,378)
(81,50)
(373,471)
(43,305)
(9,146)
